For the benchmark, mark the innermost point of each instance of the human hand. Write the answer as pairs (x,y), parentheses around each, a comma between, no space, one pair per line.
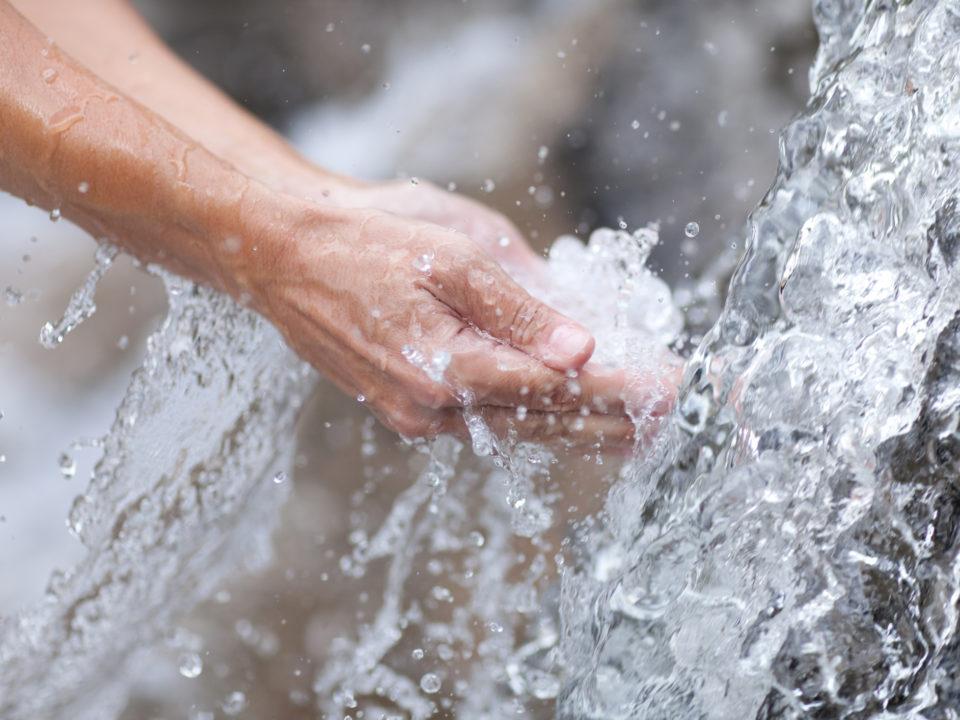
(492,231)
(418,321)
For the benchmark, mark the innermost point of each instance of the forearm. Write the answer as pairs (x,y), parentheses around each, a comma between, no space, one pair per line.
(73,143)
(128,55)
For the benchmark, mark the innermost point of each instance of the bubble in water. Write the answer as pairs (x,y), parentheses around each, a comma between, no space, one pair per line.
(234,704)
(83,188)
(190,665)
(430,683)
(692,229)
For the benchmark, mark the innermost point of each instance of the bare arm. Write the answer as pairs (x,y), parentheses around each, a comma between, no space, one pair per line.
(127,54)
(350,286)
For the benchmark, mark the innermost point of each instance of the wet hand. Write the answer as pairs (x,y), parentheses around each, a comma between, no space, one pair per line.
(417,321)
(420,200)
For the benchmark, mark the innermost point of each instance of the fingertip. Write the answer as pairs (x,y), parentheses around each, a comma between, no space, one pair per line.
(568,347)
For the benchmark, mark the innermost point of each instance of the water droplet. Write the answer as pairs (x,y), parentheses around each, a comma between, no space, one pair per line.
(504,241)
(234,703)
(123,342)
(68,466)
(55,214)
(365,48)
(424,262)
(49,75)
(361,398)
(280,477)
(521,413)
(430,683)
(330,27)
(417,654)
(83,188)
(635,124)
(542,153)
(191,665)
(12,296)
(692,229)
(488,186)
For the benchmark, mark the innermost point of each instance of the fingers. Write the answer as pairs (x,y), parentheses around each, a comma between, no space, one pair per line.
(490,373)
(479,290)
(571,430)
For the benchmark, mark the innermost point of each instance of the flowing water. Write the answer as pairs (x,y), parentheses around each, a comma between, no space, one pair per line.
(785,548)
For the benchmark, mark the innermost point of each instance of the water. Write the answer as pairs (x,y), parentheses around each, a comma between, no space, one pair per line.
(790,548)
(785,548)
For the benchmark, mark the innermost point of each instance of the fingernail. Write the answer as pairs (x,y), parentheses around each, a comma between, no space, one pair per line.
(568,344)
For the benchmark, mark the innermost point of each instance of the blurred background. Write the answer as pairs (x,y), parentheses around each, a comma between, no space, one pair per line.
(564,114)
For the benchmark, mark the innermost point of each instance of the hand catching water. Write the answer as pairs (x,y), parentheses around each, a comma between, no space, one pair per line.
(397,292)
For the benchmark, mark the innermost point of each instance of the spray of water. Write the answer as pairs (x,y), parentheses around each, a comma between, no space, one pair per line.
(787,548)
(790,549)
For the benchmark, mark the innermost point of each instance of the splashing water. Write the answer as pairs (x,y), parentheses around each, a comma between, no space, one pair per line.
(790,548)
(786,549)
(178,499)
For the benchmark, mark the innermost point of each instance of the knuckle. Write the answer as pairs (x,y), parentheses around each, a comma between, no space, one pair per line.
(528,320)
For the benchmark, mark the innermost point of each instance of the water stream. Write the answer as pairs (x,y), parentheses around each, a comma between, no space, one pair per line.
(786,547)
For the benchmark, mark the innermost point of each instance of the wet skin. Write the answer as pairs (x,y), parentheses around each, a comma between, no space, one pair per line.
(146,154)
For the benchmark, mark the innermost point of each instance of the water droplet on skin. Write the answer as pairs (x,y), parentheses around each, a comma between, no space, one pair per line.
(49,75)
(692,229)
(55,214)
(361,398)
(430,683)
(504,241)
(280,478)
(424,262)
(521,413)
(488,186)
(191,665)
(83,188)
(234,703)
(68,466)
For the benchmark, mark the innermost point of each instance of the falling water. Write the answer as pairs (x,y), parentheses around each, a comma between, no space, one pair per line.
(784,549)
(790,548)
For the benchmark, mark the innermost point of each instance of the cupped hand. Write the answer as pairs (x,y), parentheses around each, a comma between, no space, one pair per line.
(417,321)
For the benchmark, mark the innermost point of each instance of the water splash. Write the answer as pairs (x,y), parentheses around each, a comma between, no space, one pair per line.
(790,549)
(181,497)
(82,303)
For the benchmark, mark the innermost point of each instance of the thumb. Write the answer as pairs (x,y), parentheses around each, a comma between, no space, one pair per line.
(483,294)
